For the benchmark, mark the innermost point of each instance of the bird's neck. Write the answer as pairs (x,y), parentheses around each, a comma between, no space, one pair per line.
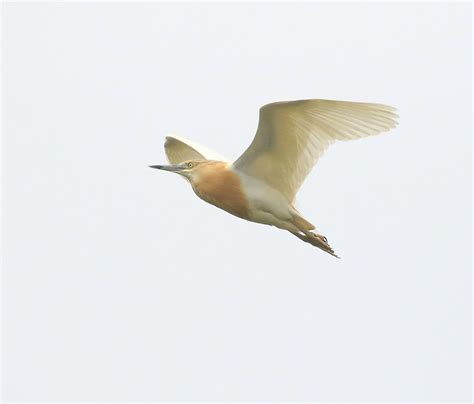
(215,183)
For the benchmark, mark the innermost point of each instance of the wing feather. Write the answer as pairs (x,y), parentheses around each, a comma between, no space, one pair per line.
(179,149)
(291,136)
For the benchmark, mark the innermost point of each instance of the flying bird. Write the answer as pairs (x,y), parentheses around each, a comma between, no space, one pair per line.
(261,185)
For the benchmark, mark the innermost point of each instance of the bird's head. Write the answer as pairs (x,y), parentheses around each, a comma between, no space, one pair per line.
(187,169)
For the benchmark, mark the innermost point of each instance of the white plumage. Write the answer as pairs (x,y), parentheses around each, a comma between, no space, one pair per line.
(291,136)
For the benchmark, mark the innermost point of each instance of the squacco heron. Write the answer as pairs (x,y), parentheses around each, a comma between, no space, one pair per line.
(261,185)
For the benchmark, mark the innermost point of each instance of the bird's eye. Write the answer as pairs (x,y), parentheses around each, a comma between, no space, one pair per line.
(190,165)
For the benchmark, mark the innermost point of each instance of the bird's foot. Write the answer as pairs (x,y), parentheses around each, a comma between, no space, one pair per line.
(317,240)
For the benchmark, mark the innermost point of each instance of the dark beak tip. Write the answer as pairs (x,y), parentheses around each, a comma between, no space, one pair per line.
(155,166)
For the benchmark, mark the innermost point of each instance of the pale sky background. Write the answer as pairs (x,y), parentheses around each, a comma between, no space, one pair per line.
(120,284)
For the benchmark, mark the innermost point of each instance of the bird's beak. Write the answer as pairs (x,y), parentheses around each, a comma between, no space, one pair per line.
(172,168)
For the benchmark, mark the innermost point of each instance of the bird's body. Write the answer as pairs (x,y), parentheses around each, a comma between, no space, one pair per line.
(244,196)
(261,185)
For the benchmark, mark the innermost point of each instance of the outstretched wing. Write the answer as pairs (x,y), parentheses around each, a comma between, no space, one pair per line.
(292,135)
(179,149)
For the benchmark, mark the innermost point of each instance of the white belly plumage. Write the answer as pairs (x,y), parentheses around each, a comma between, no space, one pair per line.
(266,204)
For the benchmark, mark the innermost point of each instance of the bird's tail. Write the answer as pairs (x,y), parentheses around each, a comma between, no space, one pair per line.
(317,240)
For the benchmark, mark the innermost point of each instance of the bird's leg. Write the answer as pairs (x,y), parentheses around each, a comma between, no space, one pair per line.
(317,240)
(300,236)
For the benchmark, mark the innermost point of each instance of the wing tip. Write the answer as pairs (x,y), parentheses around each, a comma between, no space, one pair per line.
(171,140)
(171,137)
